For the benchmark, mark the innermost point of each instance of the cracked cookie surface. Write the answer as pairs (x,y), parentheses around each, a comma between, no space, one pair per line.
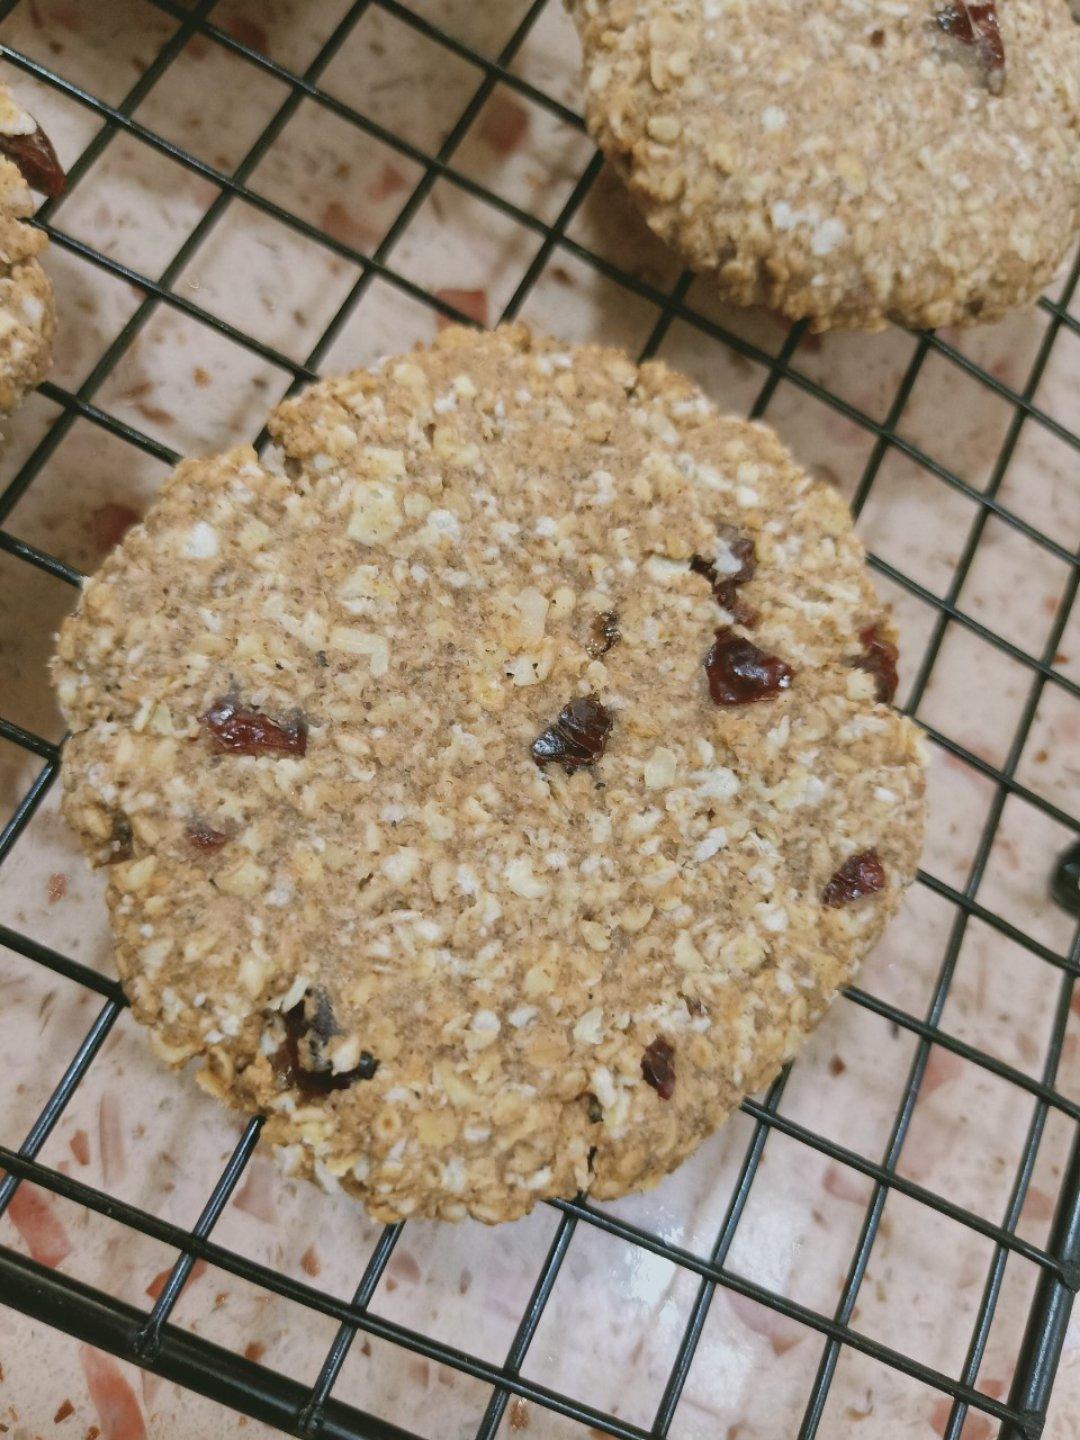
(842,160)
(430,829)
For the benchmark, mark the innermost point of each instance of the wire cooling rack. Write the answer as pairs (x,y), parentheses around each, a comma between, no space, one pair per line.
(150,1336)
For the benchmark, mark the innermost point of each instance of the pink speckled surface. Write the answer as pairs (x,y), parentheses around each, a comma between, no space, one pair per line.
(616,1314)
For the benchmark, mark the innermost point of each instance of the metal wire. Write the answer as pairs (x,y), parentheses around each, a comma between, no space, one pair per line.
(149,1338)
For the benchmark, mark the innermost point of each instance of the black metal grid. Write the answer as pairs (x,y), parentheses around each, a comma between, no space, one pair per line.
(148,1338)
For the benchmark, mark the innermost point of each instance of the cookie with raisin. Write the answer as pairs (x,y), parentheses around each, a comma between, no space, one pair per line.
(843,161)
(27,315)
(501,787)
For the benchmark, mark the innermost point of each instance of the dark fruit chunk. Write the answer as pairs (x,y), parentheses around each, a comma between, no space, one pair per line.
(605,633)
(300,1060)
(658,1067)
(977,25)
(36,160)
(121,840)
(320,1014)
(740,674)
(861,875)
(248,732)
(879,659)
(724,587)
(204,837)
(700,566)
(742,548)
(578,736)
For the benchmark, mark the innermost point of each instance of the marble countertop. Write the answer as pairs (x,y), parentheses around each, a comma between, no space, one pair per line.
(617,1312)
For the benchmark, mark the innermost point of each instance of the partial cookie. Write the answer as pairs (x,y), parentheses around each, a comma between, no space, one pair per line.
(499,795)
(845,160)
(27,315)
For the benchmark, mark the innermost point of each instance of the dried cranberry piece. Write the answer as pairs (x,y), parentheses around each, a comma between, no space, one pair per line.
(321,1017)
(204,837)
(879,659)
(36,160)
(658,1067)
(300,1060)
(248,732)
(736,607)
(605,633)
(121,839)
(977,25)
(725,587)
(742,547)
(700,566)
(740,674)
(577,738)
(860,875)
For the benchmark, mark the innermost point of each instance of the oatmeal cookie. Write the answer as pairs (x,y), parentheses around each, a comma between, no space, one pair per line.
(497,795)
(27,317)
(844,160)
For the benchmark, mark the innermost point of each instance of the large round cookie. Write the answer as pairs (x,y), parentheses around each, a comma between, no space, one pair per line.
(27,315)
(842,159)
(500,794)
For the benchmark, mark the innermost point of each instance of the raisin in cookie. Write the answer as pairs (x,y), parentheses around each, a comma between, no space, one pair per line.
(27,317)
(845,160)
(502,792)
